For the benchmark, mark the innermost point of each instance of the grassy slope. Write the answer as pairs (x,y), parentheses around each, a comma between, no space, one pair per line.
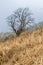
(27,49)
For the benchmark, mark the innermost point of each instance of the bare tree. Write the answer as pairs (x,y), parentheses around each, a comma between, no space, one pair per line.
(20,19)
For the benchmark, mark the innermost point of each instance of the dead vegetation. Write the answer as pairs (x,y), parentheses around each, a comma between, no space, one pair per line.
(26,49)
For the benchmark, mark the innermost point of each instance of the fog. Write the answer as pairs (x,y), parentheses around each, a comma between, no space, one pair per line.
(8,6)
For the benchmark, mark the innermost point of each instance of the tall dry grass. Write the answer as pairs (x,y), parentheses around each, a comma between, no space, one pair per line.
(26,49)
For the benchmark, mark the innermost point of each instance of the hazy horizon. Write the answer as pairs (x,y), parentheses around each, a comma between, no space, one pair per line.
(7,8)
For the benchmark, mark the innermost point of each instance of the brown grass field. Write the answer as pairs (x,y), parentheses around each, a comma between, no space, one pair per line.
(26,49)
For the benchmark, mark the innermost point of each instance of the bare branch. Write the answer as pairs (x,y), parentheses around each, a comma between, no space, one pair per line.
(22,16)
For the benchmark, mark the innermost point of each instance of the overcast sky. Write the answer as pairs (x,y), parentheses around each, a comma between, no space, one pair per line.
(8,6)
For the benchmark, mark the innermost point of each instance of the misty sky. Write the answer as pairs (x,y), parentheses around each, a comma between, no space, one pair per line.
(8,6)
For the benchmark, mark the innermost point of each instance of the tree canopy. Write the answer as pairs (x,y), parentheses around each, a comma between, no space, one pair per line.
(20,20)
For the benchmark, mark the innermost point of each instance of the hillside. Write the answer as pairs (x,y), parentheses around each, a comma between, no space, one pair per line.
(26,49)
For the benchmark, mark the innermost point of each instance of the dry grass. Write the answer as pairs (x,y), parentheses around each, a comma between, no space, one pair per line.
(27,49)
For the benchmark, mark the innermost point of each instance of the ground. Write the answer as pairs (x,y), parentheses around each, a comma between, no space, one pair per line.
(26,49)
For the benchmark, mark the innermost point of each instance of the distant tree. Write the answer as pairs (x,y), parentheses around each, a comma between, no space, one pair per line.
(20,19)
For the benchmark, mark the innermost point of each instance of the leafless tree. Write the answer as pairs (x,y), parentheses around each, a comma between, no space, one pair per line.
(20,19)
